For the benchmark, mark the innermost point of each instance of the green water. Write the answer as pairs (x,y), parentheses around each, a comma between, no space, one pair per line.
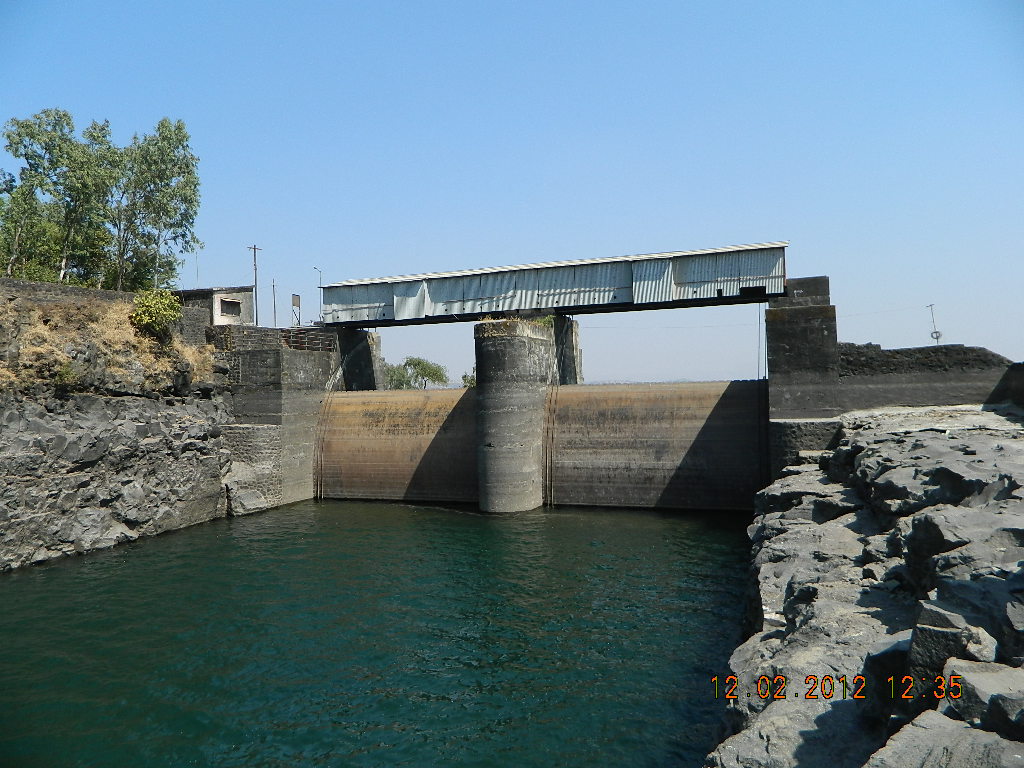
(348,634)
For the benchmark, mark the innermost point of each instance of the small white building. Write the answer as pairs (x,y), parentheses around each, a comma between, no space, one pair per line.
(227,306)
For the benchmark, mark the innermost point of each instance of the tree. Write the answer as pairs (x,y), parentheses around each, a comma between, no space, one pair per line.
(155,312)
(87,211)
(29,236)
(41,142)
(425,372)
(84,181)
(414,372)
(469,379)
(153,206)
(396,376)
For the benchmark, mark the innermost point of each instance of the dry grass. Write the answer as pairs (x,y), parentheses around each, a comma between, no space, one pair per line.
(200,358)
(7,377)
(49,331)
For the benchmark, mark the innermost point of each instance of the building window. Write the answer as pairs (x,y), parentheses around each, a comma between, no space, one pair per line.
(231,308)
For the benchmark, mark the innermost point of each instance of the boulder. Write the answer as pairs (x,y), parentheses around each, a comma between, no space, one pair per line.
(980,685)
(932,740)
(1005,716)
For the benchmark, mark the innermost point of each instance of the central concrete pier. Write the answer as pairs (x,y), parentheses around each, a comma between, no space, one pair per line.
(515,368)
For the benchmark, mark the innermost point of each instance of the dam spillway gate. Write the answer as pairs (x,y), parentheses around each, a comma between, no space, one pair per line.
(694,445)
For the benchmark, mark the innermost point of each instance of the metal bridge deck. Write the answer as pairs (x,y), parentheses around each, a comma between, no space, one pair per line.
(734,275)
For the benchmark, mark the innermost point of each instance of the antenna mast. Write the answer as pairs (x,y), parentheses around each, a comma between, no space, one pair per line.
(936,333)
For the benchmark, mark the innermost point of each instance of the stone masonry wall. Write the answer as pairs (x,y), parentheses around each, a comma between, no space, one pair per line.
(254,482)
(42,292)
(872,359)
(945,374)
(192,326)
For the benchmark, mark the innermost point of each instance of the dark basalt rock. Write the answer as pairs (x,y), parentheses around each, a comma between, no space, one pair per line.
(900,554)
(127,467)
(935,741)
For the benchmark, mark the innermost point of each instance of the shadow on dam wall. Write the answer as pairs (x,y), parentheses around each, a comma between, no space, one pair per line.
(1009,388)
(699,445)
(400,445)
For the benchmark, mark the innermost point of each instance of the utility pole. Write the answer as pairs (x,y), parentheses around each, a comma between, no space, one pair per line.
(936,333)
(273,295)
(255,286)
(319,285)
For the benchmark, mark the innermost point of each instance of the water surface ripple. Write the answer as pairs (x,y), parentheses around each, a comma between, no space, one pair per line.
(350,634)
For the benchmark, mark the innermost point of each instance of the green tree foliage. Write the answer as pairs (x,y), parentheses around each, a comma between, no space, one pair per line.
(414,373)
(86,211)
(396,376)
(469,379)
(155,312)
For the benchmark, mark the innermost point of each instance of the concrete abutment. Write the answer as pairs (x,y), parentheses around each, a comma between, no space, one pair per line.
(568,355)
(803,371)
(526,436)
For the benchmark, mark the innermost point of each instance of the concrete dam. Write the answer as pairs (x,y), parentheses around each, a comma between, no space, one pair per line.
(529,433)
(685,446)
(312,411)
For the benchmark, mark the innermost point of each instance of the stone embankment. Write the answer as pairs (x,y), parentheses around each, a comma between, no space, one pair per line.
(887,573)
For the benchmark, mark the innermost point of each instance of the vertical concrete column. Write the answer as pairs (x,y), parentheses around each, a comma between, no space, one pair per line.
(803,353)
(803,371)
(568,356)
(514,369)
(362,367)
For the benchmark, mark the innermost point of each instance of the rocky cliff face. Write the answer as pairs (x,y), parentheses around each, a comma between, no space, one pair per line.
(106,435)
(887,605)
(91,471)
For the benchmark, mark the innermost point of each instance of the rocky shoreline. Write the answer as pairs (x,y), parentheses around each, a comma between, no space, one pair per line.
(885,574)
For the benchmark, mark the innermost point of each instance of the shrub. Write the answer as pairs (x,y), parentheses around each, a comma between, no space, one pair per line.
(544,321)
(65,381)
(155,312)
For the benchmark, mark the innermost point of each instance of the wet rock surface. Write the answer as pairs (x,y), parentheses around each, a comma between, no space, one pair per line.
(888,581)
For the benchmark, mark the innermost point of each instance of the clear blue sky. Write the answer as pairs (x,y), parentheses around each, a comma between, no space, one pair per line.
(884,140)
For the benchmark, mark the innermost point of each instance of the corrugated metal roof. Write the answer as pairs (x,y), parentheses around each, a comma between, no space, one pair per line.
(549,264)
(677,278)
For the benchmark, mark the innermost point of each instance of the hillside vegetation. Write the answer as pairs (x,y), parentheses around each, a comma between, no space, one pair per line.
(78,346)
